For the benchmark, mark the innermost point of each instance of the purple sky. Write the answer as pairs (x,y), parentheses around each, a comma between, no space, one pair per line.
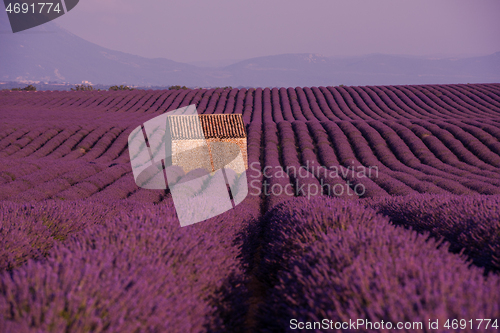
(190,30)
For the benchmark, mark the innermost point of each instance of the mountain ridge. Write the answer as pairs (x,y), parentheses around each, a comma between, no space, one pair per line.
(50,53)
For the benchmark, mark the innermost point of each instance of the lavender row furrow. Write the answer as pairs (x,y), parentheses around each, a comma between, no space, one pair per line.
(276,182)
(347,158)
(471,224)
(451,151)
(134,271)
(404,159)
(372,269)
(304,183)
(484,103)
(420,145)
(330,182)
(471,143)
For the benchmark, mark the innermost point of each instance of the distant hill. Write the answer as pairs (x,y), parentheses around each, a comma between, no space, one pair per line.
(50,53)
(376,69)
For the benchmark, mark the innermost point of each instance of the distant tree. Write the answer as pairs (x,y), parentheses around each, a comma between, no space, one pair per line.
(223,88)
(83,87)
(27,88)
(177,87)
(121,87)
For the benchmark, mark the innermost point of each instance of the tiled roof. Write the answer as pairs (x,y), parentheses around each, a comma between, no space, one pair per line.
(223,126)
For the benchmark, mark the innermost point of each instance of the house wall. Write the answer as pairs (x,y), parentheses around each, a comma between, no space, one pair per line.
(191,154)
(209,154)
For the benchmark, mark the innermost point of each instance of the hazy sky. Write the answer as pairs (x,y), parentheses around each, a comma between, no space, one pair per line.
(189,30)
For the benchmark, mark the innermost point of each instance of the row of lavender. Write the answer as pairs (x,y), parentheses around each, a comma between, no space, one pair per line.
(119,266)
(107,264)
(325,262)
(474,141)
(288,104)
(335,252)
(75,180)
(347,159)
(128,266)
(471,224)
(382,158)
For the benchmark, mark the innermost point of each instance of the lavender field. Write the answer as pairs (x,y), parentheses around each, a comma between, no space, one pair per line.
(369,204)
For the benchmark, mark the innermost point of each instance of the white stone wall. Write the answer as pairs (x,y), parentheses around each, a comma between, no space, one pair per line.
(211,154)
(191,154)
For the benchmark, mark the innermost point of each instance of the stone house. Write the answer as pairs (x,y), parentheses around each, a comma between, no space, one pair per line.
(209,141)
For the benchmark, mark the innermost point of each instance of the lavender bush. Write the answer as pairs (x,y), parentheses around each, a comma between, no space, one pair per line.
(343,261)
